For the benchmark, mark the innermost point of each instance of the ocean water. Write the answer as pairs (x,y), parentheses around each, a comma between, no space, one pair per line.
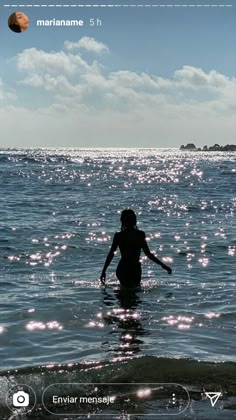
(59,211)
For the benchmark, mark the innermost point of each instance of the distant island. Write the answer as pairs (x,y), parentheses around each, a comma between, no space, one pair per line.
(215,148)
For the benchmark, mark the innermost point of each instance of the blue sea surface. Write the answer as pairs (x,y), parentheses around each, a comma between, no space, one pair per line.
(59,211)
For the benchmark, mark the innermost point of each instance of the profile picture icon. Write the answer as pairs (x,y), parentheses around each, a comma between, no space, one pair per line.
(18,22)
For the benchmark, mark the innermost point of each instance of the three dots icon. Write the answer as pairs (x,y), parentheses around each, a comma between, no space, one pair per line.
(173,399)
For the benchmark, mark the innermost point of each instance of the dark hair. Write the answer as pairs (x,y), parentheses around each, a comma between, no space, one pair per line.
(128,219)
(13,24)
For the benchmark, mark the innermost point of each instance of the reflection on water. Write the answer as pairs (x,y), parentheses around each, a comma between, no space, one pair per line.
(126,317)
(60,213)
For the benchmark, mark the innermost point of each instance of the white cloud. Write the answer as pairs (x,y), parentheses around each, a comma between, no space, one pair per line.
(88,44)
(67,75)
(38,61)
(198,78)
(84,105)
(56,84)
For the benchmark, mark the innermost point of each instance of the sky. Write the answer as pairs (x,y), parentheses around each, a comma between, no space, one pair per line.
(146,77)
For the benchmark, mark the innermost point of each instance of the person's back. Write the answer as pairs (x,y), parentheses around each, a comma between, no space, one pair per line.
(130,243)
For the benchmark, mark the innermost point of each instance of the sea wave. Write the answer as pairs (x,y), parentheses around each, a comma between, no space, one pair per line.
(192,374)
(194,377)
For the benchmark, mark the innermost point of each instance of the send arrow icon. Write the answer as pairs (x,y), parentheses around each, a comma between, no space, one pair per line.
(213,396)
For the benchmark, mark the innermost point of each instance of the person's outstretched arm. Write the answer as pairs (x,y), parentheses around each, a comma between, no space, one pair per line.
(152,257)
(109,258)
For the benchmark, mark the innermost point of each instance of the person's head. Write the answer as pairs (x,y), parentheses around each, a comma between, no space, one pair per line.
(128,219)
(18,22)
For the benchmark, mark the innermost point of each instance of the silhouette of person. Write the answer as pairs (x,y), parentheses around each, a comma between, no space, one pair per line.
(130,241)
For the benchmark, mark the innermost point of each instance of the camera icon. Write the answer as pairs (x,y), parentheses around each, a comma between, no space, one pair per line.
(20,399)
